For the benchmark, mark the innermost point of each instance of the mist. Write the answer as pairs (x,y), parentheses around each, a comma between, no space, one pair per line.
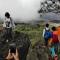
(24,10)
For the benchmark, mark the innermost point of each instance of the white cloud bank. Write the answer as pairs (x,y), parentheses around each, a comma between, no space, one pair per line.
(21,9)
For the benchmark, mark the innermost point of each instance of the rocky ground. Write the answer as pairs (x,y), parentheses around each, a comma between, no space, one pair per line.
(38,52)
(20,39)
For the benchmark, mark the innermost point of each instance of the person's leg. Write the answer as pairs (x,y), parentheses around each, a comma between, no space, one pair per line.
(46,42)
(5,36)
(56,48)
(9,34)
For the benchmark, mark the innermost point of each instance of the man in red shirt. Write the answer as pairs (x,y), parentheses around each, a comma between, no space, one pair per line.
(55,39)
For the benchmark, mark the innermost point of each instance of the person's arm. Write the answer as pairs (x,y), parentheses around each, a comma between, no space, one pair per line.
(4,24)
(43,33)
(12,22)
(9,56)
(16,56)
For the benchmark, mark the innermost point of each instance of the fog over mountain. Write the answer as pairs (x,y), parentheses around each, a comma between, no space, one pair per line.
(22,10)
(51,16)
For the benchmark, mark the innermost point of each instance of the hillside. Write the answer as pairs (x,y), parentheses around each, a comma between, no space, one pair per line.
(28,33)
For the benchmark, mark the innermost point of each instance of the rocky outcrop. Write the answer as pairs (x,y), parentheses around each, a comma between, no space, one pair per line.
(21,40)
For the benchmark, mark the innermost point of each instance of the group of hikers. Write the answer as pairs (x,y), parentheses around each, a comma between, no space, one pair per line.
(51,37)
(52,40)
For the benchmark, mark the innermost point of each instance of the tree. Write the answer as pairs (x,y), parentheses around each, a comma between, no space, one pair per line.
(50,6)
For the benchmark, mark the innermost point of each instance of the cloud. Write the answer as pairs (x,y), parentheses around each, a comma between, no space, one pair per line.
(51,16)
(21,9)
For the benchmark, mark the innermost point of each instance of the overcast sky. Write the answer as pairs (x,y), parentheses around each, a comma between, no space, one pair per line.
(51,16)
(24,10)
(20,9)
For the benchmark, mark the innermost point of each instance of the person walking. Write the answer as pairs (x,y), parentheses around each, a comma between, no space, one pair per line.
(46,34)
(55,40)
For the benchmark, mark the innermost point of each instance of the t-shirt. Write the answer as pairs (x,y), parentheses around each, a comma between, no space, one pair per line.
(58,29)
(55,32)
(44,31)
(55,37)
(8,23)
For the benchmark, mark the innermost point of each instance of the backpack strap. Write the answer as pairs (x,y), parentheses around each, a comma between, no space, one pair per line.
(47,30)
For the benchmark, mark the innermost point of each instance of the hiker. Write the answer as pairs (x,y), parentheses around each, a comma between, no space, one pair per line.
(55,40)
(12,56)
(46,34)
(52,50)
(8,26)
(58,29)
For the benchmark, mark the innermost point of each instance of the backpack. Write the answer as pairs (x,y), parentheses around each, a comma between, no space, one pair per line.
(55,38)
(47,34)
